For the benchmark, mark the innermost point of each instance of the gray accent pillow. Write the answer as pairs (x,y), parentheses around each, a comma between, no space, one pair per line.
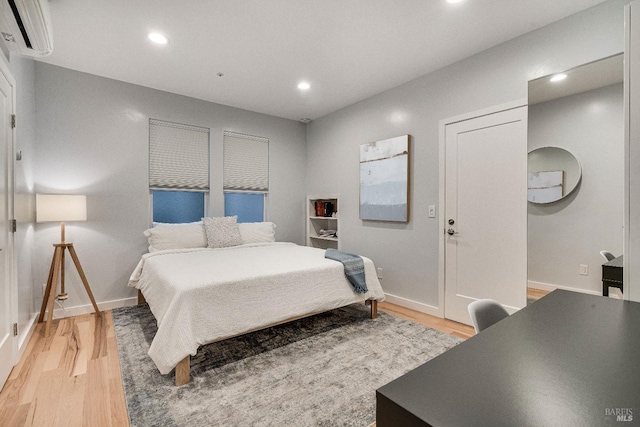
(222,232)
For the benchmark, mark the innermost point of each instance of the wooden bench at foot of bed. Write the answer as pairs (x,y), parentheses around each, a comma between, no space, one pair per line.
(183,368)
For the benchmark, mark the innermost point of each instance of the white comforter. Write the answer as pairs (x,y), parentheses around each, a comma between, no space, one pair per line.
(203,295)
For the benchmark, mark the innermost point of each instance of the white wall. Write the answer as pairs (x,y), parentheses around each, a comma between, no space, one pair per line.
(408,253)
(92,138)
(572,231)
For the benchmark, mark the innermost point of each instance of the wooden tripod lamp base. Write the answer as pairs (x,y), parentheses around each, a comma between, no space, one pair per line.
(57,267)
(61,207)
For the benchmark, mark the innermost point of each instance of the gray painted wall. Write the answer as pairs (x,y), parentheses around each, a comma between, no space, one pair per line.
(573,231)
(408,253)
(92,138)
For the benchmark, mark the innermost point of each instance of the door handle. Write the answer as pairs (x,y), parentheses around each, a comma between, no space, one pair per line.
(451,232)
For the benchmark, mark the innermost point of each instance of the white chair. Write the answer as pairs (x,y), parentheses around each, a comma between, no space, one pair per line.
(607,255)
(486,312)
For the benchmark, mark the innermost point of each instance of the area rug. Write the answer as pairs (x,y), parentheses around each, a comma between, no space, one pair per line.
(318,371)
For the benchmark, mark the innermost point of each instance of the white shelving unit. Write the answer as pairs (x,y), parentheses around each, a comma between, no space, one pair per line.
(316,223)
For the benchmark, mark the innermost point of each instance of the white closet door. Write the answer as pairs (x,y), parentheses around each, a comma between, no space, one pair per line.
(7,291)
(486,212)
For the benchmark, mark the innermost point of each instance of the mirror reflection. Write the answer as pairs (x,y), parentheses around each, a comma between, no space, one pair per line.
(579,117)
(553,173)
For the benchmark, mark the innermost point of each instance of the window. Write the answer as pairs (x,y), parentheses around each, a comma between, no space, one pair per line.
(177,206)
(178,171)
(246,176)
(250,207)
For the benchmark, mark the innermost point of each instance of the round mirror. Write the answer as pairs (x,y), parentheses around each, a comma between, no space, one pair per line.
(553,174)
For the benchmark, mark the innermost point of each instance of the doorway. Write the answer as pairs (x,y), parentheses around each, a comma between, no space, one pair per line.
(8,291)
(485,209)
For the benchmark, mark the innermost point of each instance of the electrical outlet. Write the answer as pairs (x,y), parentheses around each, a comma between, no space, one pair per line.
(584,269)
(379,273)
(432,211)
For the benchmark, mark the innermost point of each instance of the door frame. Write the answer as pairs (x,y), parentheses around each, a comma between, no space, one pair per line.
(10,267)
(442,181)
(630,229)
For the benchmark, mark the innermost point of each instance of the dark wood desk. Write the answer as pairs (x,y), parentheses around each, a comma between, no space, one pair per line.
(612,276)
(569,359)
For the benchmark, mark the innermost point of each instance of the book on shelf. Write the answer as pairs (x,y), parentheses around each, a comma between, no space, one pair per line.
(328,209)
(324,208)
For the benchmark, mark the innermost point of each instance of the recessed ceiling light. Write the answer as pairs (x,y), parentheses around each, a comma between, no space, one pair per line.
(303,85)
(158,38)
(558,77)
(454,1)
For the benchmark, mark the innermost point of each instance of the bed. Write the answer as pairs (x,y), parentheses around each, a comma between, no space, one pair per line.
(201,295)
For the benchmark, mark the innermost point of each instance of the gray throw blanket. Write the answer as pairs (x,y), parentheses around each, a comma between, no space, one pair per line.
(353,268)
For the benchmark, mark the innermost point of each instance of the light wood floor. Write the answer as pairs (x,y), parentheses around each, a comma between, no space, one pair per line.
(535,293)
(73,377)
(444,325)
(70,379)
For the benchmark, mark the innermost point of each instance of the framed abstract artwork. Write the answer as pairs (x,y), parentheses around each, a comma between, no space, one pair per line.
(384,180)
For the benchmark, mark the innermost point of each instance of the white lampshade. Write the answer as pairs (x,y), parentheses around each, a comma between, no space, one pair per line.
(60,207)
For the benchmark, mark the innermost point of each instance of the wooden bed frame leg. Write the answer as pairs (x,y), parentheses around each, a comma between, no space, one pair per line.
(183,371)
(141,299)
(374,309)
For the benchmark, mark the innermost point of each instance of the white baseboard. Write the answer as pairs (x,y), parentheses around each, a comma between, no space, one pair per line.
(414,305)
(549,287)
(59,313)
(25,335)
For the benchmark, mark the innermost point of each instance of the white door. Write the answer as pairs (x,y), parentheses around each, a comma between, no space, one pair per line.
(486,212)
(7,339)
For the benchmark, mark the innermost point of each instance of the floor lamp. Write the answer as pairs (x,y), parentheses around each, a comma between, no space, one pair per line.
(61,208)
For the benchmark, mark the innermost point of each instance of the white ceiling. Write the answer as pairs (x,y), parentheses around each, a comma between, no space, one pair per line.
(348,50)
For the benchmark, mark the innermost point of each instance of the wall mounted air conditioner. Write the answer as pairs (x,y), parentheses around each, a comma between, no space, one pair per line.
(25,26)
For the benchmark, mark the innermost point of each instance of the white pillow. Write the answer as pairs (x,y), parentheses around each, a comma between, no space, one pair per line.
(257,232)
(171,224)
(176,236)
(222,232)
